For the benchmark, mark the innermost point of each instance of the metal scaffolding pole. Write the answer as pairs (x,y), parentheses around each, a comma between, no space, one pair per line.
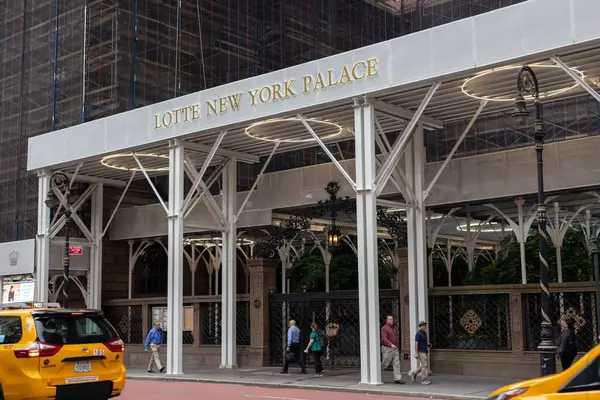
(55,67)
(83,64)
(134,51)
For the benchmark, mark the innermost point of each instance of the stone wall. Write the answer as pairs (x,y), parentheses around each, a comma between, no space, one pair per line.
(494,330)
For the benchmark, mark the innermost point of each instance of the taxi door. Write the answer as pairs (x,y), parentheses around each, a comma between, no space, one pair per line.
(13,371)
(77,347)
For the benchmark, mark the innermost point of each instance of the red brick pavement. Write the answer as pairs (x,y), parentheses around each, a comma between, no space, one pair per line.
(157,390)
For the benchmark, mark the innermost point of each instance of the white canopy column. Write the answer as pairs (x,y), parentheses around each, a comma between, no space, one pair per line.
(366,232)
(42,240)
(416,228)
(228,265)
(175,259)
(95,273)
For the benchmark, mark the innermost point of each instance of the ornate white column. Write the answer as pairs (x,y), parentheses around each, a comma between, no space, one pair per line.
(366,232)
(416,226)
(228,265)
(42,256)
(95,273)
(174,326)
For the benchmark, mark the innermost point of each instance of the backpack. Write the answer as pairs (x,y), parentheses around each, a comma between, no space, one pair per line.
(323,338)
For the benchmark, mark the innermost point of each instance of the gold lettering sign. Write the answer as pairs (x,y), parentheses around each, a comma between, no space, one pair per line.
(288,89)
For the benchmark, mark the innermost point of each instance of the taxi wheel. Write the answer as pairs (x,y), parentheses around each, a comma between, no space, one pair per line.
(1,393)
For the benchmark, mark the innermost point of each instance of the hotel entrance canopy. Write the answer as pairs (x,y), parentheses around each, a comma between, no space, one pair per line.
(398,72)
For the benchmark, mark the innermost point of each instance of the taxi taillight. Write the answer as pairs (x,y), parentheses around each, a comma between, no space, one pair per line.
(37,349)
(116,346)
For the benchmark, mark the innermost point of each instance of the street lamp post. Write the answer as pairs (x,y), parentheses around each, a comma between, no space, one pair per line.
(61,182)
(527,82)
(594,248)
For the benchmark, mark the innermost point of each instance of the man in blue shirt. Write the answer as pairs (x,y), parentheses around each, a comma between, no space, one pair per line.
(422,346)
(154,340)
(294,348)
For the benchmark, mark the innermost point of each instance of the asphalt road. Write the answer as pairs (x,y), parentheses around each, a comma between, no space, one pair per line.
(155,390)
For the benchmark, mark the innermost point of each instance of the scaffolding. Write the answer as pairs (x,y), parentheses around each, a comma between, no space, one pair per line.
(64,62)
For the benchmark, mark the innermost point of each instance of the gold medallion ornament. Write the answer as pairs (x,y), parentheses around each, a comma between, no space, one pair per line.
(471,322)
(332,329)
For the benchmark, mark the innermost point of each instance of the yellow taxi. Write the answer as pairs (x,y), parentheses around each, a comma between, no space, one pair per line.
(47,352)
(579,382)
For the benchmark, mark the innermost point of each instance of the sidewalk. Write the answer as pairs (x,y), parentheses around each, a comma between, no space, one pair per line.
(442,386)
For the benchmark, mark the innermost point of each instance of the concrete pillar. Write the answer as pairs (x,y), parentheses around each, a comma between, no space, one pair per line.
(42,240)
(263,277)
(229,268)
(174,327)
(366,232)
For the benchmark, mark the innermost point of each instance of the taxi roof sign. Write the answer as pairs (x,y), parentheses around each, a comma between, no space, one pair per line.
(46,305)
(28,305)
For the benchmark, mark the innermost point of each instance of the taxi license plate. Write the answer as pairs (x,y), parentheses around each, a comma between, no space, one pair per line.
(81,367)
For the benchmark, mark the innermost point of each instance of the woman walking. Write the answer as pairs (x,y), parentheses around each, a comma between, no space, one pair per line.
(567,343)
(314,346)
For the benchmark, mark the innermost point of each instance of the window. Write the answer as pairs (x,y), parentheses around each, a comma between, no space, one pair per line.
(588,379)
(151,272)
(11,330)
(66,329)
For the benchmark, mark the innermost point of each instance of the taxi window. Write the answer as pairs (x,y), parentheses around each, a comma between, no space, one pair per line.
(66,329)
(11,330)
(588,379)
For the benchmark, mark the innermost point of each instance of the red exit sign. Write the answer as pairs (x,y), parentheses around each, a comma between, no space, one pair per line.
(75,250)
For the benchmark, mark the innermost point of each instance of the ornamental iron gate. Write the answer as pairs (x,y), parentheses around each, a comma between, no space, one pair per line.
(336,314)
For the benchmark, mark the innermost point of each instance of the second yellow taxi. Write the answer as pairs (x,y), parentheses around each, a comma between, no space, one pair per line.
(579,382)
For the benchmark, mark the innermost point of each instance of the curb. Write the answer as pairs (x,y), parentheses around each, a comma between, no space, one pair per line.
(309,387)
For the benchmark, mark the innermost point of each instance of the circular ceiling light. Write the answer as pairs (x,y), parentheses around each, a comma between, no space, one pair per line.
(467,86)
(215,241)
(112,161)
(324,129)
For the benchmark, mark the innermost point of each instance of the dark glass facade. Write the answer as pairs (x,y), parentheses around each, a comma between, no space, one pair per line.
(64,62)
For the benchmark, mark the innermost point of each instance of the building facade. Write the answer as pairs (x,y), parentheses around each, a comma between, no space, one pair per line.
(65,62)
(417,83)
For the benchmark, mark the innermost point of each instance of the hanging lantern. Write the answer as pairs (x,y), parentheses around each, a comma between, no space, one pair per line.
(333,237)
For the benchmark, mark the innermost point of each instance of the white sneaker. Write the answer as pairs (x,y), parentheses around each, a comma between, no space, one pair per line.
(426,382)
